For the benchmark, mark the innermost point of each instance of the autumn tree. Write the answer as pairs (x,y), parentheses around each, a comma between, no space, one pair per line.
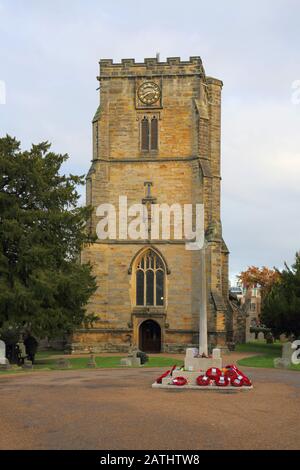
(263,277)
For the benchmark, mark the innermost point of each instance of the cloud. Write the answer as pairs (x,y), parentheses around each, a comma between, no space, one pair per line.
(49,61)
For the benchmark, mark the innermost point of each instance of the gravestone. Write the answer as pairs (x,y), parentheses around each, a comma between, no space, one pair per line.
(285,360)
(216,353)
(92,363)
(4,362)
(3,359)
(131,361)
(63,363)
(249,336)
(287,351)
(27,365)
(136,361)
(261,336)
(125,361)
(283,338)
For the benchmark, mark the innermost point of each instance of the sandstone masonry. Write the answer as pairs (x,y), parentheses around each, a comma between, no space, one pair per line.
(184,168)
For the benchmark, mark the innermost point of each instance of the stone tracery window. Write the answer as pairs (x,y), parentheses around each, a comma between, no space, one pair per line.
(150,280)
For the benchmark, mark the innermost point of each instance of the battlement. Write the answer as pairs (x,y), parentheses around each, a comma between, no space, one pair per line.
(151,66)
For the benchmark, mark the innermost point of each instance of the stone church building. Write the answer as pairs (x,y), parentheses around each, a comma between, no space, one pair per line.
(156,139)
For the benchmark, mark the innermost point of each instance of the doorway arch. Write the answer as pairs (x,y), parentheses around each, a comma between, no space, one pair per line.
(150,337)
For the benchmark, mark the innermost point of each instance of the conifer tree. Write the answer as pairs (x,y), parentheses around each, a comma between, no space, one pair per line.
(43,286)
(281,306)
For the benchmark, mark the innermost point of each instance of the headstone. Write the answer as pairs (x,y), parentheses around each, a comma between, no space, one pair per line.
(92,363)
(283,338)
(216,353)
(135,361)
(261,336)
(280,363)
(125,361)
(27,365)
(63,363)
(250,336)
(3,360)
(287,351)
(285,360)
(131,361)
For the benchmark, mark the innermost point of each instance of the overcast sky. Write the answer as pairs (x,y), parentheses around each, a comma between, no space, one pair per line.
(49,52)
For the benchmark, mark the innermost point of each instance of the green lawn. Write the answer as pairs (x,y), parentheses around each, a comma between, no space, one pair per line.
(105,362)
(45,361)
(261,347)
(267,353)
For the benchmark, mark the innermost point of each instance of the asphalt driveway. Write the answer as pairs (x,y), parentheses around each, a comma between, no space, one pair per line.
(117,409)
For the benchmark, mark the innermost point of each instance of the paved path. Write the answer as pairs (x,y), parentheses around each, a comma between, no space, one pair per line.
(117,409)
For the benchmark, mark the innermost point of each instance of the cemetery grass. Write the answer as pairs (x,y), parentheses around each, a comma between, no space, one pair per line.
(46,361)
(267,354)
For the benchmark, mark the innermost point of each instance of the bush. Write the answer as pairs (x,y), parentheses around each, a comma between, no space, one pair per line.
(143,356)
(31,346)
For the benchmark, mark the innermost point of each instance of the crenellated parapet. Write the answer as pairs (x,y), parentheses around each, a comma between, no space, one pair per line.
(151,67)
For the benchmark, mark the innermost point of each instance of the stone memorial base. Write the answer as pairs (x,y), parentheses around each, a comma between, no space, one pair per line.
(201,364)
(191,377)
(209,388)
(195,366)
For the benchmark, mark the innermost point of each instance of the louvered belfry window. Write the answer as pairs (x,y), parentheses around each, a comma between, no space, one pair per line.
(145,134)
(149,133)
(154,133)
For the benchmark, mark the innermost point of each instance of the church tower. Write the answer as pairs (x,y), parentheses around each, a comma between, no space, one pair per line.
(156,139)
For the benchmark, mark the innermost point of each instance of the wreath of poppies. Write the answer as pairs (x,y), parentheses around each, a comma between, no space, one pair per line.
(179,381)
(228,376)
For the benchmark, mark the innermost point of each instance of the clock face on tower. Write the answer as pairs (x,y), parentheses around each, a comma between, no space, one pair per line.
(149,93)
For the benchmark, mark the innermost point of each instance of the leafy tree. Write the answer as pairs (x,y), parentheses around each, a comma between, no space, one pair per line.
(43,286)
(281,306)
(263,277)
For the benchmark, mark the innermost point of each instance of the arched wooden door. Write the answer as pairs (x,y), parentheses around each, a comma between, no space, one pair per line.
(150,337)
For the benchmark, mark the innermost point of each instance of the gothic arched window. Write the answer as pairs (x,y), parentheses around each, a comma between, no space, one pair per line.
(150,280)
